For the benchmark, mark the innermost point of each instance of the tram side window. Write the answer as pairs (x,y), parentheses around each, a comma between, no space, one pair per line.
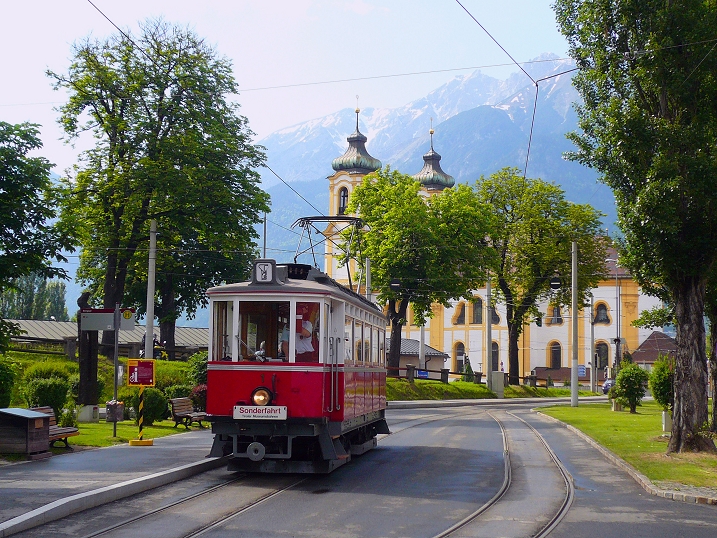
(221,341)
(374,345)
(349,338)
(358,341)
(382,347)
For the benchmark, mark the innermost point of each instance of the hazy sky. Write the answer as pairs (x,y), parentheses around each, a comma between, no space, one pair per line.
(280,43)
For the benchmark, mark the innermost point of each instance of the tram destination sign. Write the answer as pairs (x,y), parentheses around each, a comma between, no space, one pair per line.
(266,412)
(103,319)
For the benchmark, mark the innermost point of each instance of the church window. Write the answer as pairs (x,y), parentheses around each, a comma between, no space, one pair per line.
(460,356)
(477,318)
(555,317)
(494,318)
(601,351)
(556,355)
(495,352)
(343,200)
(601,314)
(460,314)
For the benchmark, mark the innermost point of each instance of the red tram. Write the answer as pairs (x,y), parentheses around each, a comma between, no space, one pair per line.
(296,377)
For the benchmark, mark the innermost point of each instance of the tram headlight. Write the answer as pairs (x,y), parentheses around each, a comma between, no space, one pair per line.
(261,396)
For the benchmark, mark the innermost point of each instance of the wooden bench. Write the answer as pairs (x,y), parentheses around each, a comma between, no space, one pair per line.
(183,412)
(57,433)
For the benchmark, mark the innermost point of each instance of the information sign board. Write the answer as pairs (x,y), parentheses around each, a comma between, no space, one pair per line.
(103,319)
(581,370)
(140,372)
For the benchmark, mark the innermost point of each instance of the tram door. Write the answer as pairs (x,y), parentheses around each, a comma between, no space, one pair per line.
(334,353)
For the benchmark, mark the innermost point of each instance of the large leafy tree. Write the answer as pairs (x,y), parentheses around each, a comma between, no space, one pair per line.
(533,236)
(29,242)
(649,126)
(433,247)
(34,297)
(169,147)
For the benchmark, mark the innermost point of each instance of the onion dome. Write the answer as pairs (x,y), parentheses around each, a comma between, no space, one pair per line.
(356,158)
(431,176)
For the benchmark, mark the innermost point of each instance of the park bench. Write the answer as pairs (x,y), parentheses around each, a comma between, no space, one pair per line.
(57,433)
(183,412)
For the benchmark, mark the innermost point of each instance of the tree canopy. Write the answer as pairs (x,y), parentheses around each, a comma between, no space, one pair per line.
(170,147)
(434,247)
(29,242)
(649,126)
(534,229)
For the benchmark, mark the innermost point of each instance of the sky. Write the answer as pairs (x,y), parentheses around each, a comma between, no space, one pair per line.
(283,51)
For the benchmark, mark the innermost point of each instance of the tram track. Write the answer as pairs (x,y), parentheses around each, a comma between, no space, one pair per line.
(472,525)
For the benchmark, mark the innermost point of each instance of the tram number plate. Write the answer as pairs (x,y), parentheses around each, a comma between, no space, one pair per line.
(267,412)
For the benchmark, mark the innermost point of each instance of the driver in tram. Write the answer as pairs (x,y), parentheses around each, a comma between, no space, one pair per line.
(304,330)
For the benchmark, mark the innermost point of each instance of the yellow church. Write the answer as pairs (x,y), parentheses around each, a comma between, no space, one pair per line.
(460,330)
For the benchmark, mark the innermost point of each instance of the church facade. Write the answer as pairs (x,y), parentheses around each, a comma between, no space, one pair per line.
(604,330)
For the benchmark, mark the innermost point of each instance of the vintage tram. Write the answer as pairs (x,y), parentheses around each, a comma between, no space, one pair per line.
(296,378)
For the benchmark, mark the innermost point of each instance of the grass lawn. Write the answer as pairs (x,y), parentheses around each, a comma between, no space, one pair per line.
(638,439)
(99,434)
(429,389)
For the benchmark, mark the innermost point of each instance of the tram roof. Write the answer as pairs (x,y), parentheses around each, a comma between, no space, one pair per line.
(315,282)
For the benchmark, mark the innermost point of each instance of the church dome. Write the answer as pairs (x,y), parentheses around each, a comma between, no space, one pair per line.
(431,175)
(356,158)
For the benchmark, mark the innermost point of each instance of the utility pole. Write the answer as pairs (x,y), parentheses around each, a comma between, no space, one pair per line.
(574,371)
(149,326)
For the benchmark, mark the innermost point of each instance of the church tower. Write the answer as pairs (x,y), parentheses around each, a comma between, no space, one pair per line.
(349,170)
(431,176)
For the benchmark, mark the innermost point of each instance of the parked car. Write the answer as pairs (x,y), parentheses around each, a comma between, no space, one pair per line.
(607,385)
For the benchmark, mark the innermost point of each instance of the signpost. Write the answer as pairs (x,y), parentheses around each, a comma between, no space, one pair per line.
(108,319)
(140,373)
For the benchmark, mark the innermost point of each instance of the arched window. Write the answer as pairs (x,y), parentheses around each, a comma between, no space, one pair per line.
(460,318)
(602,351)
(495,352)
(601,314)
(494,318)
(556,355)
(477,318)
(555,317)
(460,352)
(343,200)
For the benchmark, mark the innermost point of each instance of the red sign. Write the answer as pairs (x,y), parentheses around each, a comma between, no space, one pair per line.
(141,372)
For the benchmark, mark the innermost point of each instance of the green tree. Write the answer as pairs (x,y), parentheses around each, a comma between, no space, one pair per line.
(649,125)
(34,297)
(169,147)
(434,247)
(533,239)
(29,243)
(630,385)
(662,382)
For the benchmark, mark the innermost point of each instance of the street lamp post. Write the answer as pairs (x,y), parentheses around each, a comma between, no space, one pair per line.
(616,363)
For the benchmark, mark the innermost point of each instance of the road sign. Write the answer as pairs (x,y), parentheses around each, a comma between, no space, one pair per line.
(581,370)
(140,372)
(103,319)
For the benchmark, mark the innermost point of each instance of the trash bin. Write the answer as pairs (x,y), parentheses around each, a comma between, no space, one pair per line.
(114,411)
(477,377)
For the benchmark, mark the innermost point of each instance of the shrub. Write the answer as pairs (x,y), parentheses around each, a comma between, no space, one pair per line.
(178,391)
(199,397)
(7,380)
(170,373)
(630,386)
(127,395)
(52,392)
(197,368)
(155,406)
(46,370)
(68,419)
(467,372)
(662,378)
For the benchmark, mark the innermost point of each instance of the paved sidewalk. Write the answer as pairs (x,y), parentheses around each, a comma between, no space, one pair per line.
(34,492)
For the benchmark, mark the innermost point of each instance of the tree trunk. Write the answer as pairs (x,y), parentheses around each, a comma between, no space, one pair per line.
(690,414)
(397,318)
(713,371)
(513,356)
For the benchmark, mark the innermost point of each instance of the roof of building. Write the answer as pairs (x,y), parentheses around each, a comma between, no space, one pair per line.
(412,347)
(59,330)
(658,343)
(356,158)
(431,175)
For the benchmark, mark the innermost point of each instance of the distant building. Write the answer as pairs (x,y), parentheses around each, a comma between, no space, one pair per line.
(459,330)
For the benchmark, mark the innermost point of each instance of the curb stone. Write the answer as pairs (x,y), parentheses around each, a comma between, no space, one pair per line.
(640,478)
